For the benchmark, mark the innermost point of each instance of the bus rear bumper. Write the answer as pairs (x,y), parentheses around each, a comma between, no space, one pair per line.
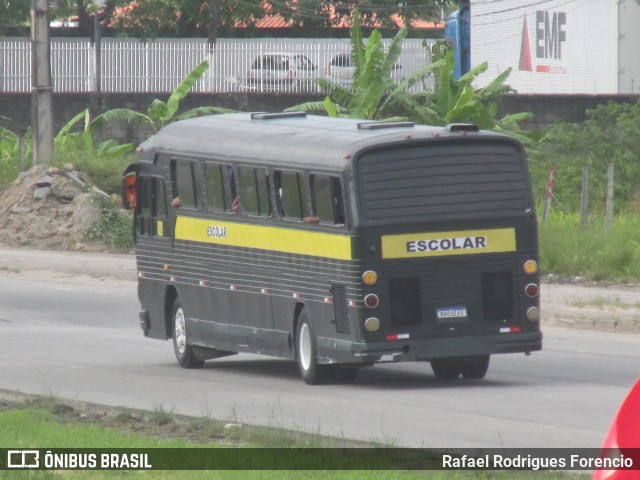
(431,348)
(145,321)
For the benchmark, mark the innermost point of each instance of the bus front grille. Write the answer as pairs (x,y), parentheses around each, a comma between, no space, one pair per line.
(340,308)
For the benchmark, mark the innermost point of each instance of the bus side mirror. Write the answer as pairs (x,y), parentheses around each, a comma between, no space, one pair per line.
(129,192)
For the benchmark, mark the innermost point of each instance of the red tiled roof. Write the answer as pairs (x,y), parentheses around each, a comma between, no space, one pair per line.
(277,21)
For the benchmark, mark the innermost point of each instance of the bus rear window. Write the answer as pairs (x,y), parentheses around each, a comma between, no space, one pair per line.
(444,182)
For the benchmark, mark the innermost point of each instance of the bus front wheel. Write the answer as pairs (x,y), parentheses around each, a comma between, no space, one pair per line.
(184,352)
(307,353)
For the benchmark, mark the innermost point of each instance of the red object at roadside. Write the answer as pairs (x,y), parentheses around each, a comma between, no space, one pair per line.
(624,438)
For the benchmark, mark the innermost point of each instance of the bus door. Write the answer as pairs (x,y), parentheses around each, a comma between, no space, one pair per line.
(151,214)
(146,196)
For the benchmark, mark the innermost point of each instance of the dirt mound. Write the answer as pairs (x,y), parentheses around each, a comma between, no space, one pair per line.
(48,207)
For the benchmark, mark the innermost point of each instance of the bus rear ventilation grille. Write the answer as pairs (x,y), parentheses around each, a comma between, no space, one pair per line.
(340,308)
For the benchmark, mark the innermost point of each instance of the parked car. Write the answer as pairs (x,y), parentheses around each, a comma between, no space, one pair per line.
(281,71)
(341,70)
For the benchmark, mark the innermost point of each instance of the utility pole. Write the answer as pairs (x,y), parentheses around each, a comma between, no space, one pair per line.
(41,90)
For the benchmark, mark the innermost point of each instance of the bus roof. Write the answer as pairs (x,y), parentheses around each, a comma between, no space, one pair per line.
(291,137)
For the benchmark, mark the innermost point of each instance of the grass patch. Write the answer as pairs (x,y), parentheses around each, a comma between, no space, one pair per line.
(605,302)
(102,171)
(47,423)
(568,249)
(115,228)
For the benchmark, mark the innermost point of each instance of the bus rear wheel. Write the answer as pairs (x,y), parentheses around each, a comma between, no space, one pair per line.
(184,352)
(446,369)
(475,368)
(307,353)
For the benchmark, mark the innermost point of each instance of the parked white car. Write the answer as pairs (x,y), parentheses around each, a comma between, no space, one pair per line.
(284,71)
(341,70)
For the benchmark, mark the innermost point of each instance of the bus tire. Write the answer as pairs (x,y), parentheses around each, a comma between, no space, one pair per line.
(446,369)
(475,368)
(307,353)
(184,352)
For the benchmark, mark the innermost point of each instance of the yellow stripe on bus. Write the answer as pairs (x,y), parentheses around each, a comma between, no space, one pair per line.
(287,240)
(435,244)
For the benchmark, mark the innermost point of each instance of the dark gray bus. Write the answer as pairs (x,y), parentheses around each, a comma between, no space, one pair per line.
(335,242)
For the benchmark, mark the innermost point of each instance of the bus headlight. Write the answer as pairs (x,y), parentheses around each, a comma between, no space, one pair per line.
(372,324)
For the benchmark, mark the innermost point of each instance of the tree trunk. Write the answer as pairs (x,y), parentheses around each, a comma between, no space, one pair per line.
(214,23)
(85,21)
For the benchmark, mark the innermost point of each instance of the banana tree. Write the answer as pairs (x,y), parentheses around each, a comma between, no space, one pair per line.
(160,112)
(375,95)
(372,79)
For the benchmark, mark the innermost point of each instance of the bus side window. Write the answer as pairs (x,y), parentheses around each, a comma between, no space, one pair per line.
(183,173)
(254,191)
(326,197)
(221,188)
(291,195)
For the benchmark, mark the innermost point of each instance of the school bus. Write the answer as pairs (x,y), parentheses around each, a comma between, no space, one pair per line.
(336,243)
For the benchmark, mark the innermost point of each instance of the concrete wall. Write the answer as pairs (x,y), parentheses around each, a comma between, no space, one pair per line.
(15,109)
(548,109)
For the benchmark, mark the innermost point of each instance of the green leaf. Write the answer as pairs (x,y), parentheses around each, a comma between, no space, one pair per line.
(357,47)
(158,109)
(497,86)
(393,52)
(120,115)
(195,112)
(182,90)
(470,76)
(309,107)
(330,107)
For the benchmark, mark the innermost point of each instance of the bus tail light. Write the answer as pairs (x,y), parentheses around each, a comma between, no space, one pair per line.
(530,267)
(130,194)
(371,300)
(372,324)
(533,314)
(369,277)
(532,290)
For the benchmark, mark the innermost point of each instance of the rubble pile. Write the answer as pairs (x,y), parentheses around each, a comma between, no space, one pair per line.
(48,207)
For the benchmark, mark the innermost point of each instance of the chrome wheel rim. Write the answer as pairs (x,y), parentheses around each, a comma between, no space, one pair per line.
(180,333)
(304,346)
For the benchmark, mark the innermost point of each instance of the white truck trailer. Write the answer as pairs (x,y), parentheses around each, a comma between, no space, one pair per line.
(559,46)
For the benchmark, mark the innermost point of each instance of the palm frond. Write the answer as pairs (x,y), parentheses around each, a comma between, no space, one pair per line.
(196,112)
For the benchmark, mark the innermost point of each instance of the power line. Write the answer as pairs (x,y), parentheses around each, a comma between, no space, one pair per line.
(502,20)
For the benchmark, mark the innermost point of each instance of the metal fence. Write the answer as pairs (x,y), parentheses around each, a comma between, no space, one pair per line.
(158,66)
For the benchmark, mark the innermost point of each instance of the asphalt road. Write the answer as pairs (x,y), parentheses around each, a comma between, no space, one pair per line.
(68,323)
